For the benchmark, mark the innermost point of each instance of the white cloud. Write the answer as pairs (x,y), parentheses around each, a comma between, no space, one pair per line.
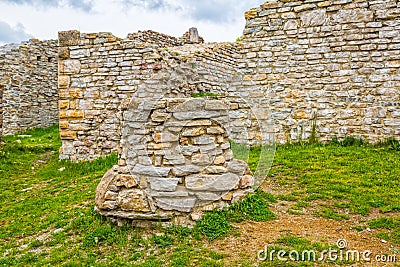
(9,34)
(85,5)
(217,20)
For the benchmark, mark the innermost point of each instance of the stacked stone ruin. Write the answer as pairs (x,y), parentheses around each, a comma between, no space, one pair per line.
(175,157)
(324,68)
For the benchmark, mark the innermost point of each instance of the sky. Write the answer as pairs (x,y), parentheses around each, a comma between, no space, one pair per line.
(216,20)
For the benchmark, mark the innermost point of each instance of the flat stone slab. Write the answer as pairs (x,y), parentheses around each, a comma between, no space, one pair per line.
(206,182)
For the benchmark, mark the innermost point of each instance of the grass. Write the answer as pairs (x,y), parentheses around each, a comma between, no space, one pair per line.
(391,224)
(47,217)
(345,177)
(205,94)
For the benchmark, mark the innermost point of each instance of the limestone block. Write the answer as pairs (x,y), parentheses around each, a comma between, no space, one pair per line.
(128,181)
(63,104)
(215,130)
(68,38)
(182,204)
(159,116)
(201,160)
(216,105)
(70,66)
(189,150)
(313,18)
(165,137)
(304,7)
(174,159)
(180,191)
(133,200)
(75,114)
(251,14)
(102,188)
(192,115)
(163,184)
(207,196)
(353,15)
(206,182)
(185,170)
(195,131)
(203,140)
(237,166)
(67,135)
(151,170)
(63,52)
(219,160)
(215,170)
(246,181)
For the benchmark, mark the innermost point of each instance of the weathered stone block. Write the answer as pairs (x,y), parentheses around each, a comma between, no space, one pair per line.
(185,170)
(63,53)
(208,196)
(68,38)
(174,159)
(165,137)
(151,170)
(313,18)
(67,135)
(180,191)
(201,159)
(215,130)
(75,114)
(70,66)
(246,181)
(159,116)
(163,184)
(133,200)
(353,15)
(63,104)
(215,170)
(196,131)
(216,105)
(174,203)
(63,81)
(129,181)
(237,166)
(203,140)
(219,160)
(251,14)
(204,182)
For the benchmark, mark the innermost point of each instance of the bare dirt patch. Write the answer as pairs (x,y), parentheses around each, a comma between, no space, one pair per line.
(254,236)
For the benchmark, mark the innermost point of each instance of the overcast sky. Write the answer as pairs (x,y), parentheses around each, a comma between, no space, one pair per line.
(216,20)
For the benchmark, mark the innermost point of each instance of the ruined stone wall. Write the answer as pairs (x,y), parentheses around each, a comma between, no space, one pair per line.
(336,61)
(99,74)
(28,85)
(328,67)
(175,159)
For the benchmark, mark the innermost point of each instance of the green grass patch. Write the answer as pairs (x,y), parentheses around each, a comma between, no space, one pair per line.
(254,207)
(387,223)
(348,175)
(205,94)
(47,217)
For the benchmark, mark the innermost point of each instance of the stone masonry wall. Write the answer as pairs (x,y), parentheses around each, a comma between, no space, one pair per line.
(99,74)
(28,85)
(175,160)
(334,62)
(328,67)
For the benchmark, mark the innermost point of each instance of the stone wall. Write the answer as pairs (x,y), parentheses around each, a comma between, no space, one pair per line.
(28,85)
(323,67)
(175,158)
(333,62)
(99,74)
